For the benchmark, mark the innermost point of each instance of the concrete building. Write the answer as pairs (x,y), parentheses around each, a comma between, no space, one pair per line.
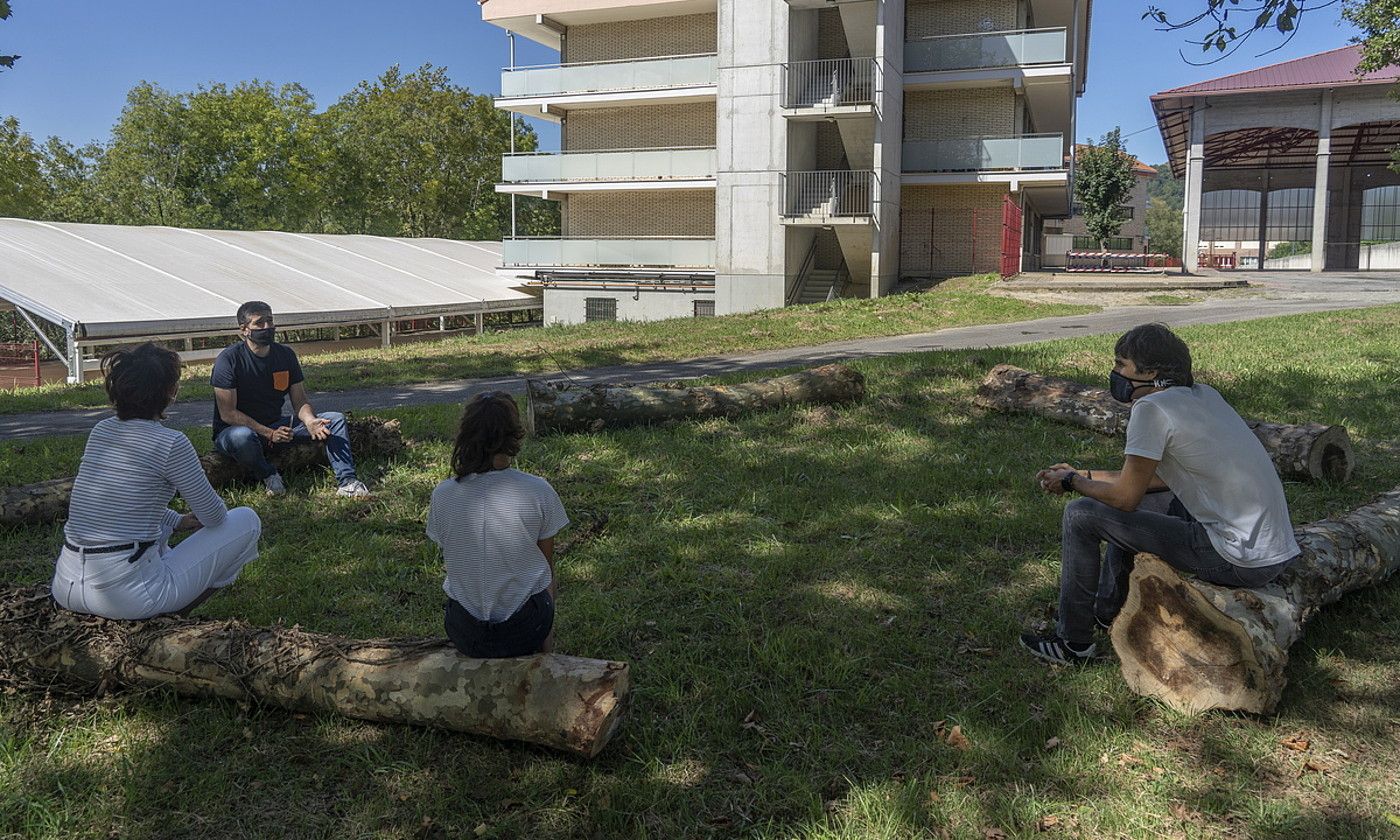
(1287,166)
(1072,234)
(724,156)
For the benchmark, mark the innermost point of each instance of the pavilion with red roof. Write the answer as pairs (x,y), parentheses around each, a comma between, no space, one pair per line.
(1255,149)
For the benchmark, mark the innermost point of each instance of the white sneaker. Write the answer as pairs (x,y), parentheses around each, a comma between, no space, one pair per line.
(274,485)
(354,489)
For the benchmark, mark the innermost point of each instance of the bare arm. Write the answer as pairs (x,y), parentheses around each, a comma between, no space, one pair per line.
(226,399)
(547,549)
(302,410)
(1123,489)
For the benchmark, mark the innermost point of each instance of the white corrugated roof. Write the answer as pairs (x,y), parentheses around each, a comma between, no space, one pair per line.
(112,281)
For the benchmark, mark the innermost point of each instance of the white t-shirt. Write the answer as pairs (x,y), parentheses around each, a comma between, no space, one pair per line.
(488,525)
(1218,469)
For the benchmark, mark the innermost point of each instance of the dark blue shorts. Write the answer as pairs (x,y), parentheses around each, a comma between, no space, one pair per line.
(522,634)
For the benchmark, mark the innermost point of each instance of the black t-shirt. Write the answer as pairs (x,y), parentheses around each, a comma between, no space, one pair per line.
(262,382)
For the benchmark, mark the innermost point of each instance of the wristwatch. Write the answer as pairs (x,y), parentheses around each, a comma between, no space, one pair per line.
(1067,481)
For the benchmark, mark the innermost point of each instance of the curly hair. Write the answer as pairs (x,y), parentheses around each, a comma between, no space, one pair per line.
(1155,347)
(139,380)
(490,426)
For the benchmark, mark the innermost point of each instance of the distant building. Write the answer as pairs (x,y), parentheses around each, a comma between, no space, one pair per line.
(1072,234)
(725,156)
(1287,166)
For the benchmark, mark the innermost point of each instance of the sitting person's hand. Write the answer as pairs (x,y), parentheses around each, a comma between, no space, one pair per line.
(188,522)
(281,434)
(319,427)
(1049,480)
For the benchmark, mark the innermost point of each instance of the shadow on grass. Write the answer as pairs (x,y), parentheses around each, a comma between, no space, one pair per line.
(804,596)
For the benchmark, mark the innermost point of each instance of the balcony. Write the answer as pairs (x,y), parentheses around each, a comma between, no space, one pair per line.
(839,196)
(1030,158)
(632,169)
(541,91)
(626,253)
(829,87)
(986,50)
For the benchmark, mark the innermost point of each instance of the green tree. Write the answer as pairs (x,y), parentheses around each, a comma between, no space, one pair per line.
(1104,181)
(23,189)
(415,155)
(1223,26)
(1164,226)
(6,60)
(70,173)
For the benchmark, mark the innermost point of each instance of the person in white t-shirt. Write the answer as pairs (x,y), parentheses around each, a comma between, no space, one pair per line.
(496,527)
(1197,489)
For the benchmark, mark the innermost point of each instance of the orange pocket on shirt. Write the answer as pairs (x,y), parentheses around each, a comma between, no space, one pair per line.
(281,379)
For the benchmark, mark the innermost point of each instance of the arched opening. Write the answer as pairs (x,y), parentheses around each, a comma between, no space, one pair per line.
(1257,200)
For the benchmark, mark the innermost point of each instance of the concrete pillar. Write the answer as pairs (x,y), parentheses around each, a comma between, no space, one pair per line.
(1324,163)
(480,323)
(386,334)
(1263,221)
(73,358)
(1195,183)
(889,145)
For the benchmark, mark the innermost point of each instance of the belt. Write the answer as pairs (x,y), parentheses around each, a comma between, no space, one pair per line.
(138,548)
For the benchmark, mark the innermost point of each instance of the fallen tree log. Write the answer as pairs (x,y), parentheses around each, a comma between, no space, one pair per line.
(1308,452)
(47,501)
(562,702)
(553,408)
(1197,646)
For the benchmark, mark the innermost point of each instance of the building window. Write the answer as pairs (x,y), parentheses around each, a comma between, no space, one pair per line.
(1113,243)
(1290,215)
(1380,214)
(704,309)
(1125,211)
(1230,216)
(600,309)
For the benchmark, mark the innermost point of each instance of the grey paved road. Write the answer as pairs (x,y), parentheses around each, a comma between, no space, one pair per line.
(1284,294)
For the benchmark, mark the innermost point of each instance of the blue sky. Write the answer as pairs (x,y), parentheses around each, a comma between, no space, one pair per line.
(81,56)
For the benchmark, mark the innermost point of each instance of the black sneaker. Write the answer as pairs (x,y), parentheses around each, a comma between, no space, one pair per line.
(1057,650)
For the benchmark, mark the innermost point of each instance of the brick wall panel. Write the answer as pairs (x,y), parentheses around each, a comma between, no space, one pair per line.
(621,40)
(923,18)
(950,231)
(642,213)
(947,114)
(640,127)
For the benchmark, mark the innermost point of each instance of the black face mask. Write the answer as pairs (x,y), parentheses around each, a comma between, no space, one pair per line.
(1122,388)
(262,337)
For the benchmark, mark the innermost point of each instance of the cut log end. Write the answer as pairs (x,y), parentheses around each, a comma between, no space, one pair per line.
(1174,645)
(1331,455)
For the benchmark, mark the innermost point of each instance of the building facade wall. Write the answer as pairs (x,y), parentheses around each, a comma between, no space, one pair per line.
(641,213)
(926,18)
(1135,228)
(948,114)
(946,231)
(566,306)
(640,127)
(622,40)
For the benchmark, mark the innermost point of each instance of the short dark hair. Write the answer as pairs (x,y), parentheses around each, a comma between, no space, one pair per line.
(139,380)
(1155,347)
(251,308)
(490,426)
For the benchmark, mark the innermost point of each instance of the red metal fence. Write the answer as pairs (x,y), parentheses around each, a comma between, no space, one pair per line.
(1010,238)
(19,365)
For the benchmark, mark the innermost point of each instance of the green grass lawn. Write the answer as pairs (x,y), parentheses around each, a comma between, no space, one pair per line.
(955,303)
(807,600)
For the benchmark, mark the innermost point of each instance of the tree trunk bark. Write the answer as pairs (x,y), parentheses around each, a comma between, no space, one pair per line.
(562,409)
(563,702)
(47,501)
(1308,452)
(1197,646)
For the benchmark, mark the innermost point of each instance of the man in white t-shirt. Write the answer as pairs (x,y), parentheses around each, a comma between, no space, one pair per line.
(1197,489)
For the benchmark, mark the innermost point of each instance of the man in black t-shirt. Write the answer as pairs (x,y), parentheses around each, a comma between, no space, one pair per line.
(252,379)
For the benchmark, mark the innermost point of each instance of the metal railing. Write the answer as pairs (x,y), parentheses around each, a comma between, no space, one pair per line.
(829,194)
(627,252)
(691,163)
(829,82)
(982,50)
(606,76)
(794,292)
(978,154)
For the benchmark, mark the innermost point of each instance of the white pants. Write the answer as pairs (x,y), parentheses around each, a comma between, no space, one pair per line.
(162,579)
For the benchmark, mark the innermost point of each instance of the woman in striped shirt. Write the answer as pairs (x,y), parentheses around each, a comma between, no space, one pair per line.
(116,560)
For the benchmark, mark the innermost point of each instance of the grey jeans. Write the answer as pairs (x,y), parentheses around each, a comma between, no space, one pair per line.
(1094,586)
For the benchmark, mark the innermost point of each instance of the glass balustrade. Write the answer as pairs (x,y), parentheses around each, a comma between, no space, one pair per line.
(975,154)
(610,76)
(679,252)
(612,165)
(986,50)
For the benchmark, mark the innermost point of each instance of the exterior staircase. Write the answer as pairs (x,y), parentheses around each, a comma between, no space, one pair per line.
(820,285)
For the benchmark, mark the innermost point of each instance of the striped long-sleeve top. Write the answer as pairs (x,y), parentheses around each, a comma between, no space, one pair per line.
(130,471)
